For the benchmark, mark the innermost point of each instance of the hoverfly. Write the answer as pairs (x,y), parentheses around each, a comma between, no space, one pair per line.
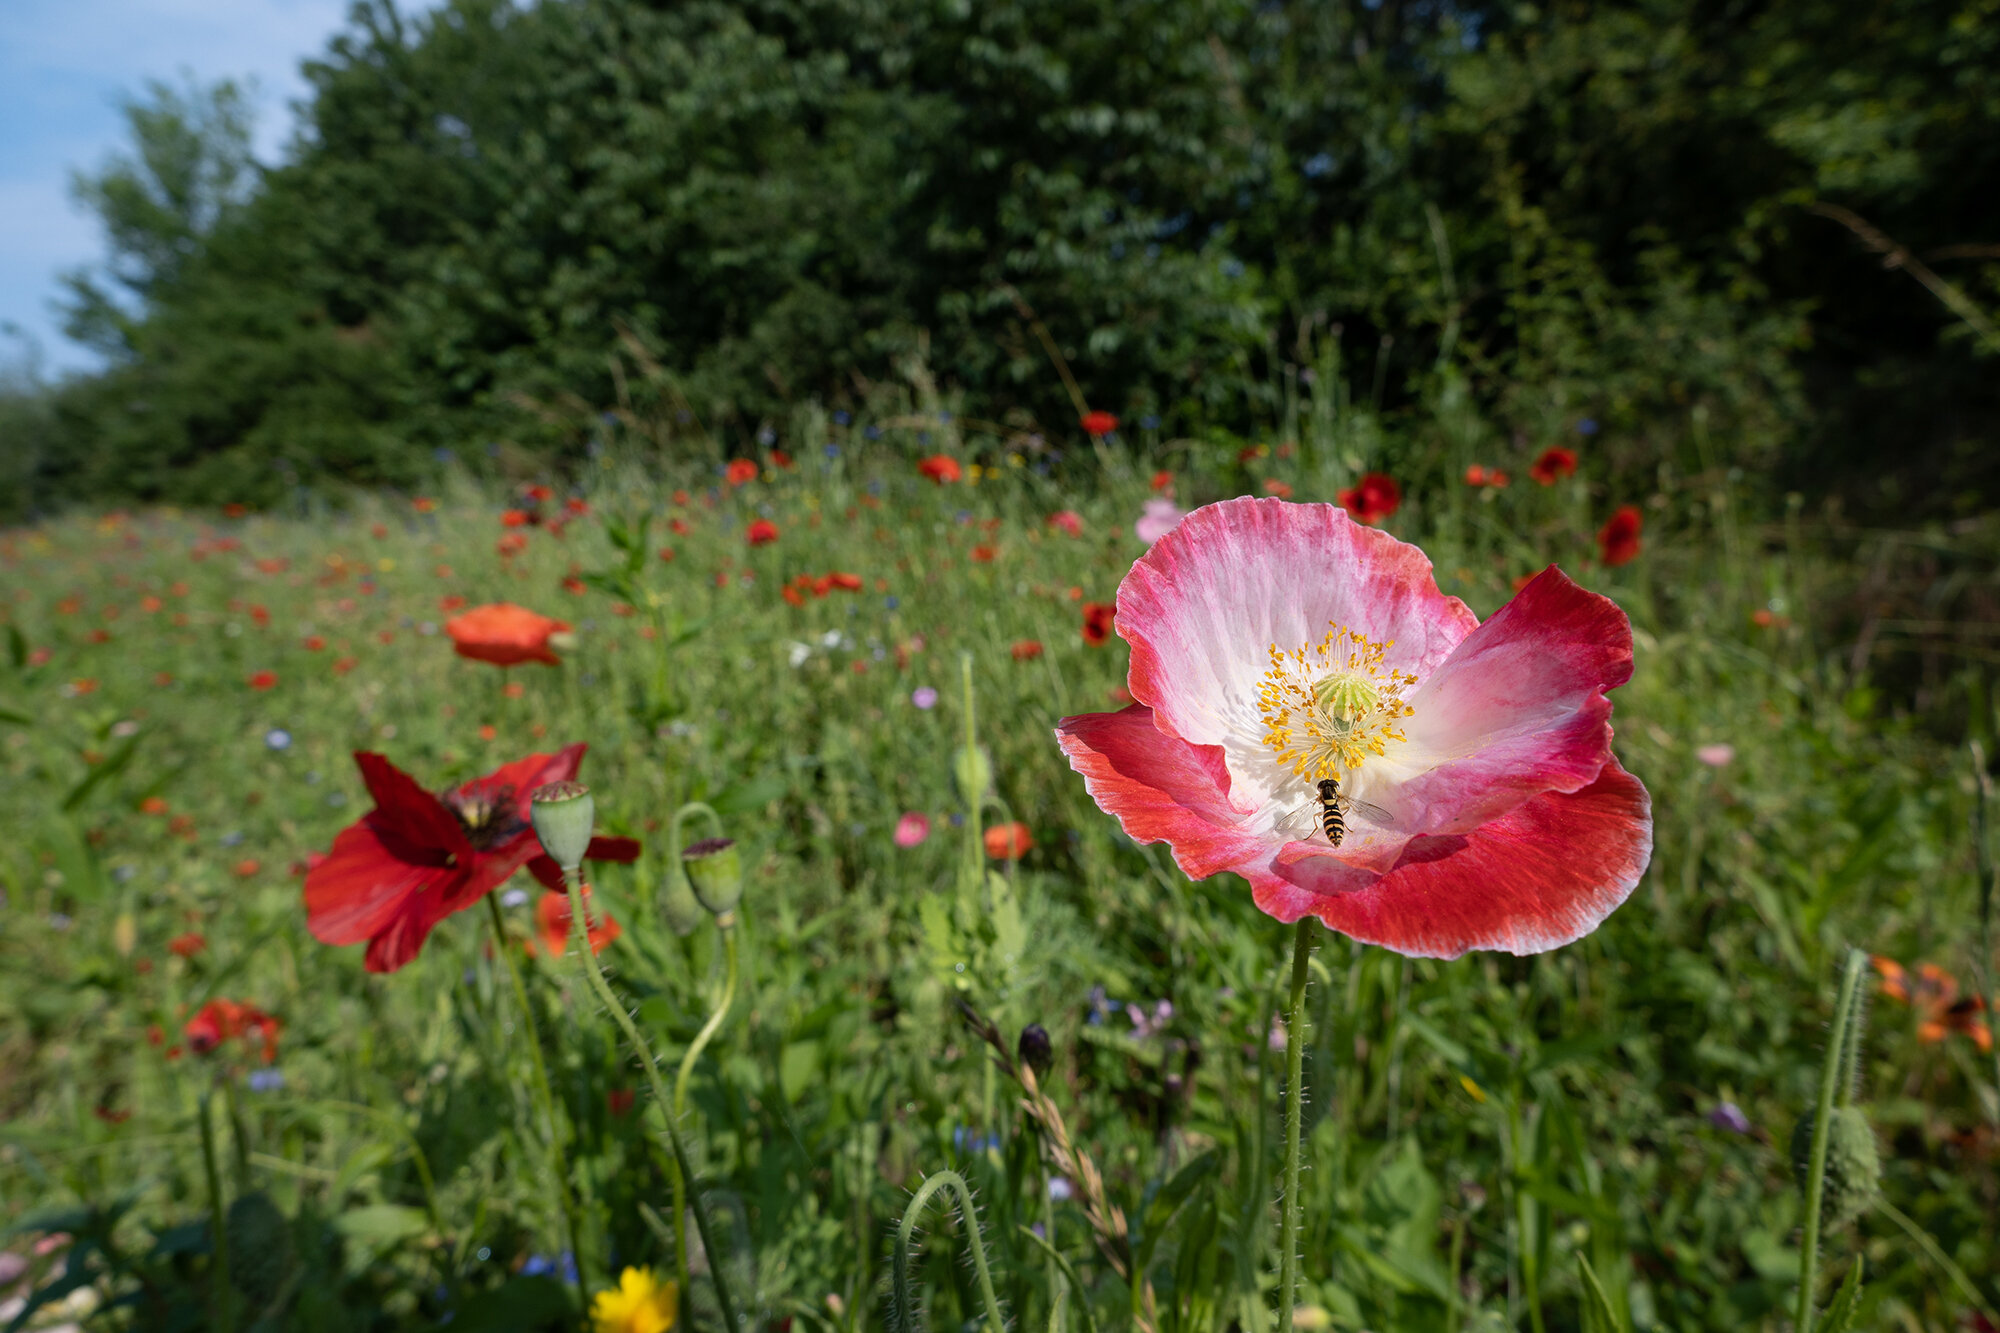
(1333,811)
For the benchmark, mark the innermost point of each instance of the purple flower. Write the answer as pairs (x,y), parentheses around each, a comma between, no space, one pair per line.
(924,697)
(1729,1116)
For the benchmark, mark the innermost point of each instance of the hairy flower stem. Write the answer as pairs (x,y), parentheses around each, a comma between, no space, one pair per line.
(544,1094)
(1295,1057)
(1989,887)
(579,943)
(221,1295)
(1829,1081)
(694,1049)
(906,1309)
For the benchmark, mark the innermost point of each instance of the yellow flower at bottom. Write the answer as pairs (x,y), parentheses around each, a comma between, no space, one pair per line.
(642,1304)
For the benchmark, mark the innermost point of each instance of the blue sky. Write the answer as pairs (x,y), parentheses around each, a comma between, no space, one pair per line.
(65,66)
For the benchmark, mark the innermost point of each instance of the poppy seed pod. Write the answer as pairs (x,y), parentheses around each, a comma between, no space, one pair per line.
(715,868)
(1035,1049)
(974,772)
(1853,1166)
(677,905)
(563,813)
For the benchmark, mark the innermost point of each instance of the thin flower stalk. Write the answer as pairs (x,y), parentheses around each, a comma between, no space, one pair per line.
(906,1304)
(695,1047)
(1295,1046)
(1829,1083)
(593,975)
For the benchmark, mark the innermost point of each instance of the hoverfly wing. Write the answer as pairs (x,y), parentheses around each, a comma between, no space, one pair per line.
(1374,814)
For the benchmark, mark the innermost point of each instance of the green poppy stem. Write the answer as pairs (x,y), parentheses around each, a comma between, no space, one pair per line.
(1295,1054)
(701,1039)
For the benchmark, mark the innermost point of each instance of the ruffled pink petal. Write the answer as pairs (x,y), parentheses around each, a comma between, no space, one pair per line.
(1202,608)
(1516,710)
(1161,789)
(1541,876)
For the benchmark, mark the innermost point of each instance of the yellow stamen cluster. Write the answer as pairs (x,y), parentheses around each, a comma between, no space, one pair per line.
(1326,708)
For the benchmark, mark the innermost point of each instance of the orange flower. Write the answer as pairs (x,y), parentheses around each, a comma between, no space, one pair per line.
(1934,993)
(983,554)
(740,471)
(188,945)
(791,594)
(344,665)
(1027,650)
(248,867)
(150,604)
(845,582)
(940,468)
(552,920)
(423,504)
(511,545)
(505,635)
(153,805)
(263,680)
(1008,841)
(1281,489)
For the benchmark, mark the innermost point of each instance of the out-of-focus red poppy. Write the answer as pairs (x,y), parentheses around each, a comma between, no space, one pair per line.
(678,526)
(791,593)
(343,665)
(1375,497)
(740,470)
(761,533)
(940,468)
(313,643)
(1553,465)
(225,1020)
(1477,476)
(1008,841)
(576,506)
(234,510)
(619,1101)
(188,945)
(150,604)
(1618,539)
(1067,521)
(537,494)
(423,504)
(1281,489)
(505,635)
(1098,618)
(779,458)
(553,920)
(248,867)
(1163,481)
(99,636)
(1098,423)
(515,518)
(263,680)
(845,582)
(416,858)
(666,553)
(153,805)
(511,545)
(451,603)
(983,554)
(1026,650)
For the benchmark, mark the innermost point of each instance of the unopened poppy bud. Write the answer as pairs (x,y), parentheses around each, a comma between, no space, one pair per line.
(974,772)
(677,905)
(564,814)
(1035,1049)
(716,869)
(1853,1166)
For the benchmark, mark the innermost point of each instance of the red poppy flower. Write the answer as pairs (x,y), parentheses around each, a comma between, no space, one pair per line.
(1275,646)
(1008,841)
(1098,423)
(761,533)
(1618,539)
(515,518)
(576,506)
(666,553)
(1373,498)
(1281,489)
(619,1101)
(225,1020)
(416,858)
(1554,464)
(740,470)
(505,635)
(1163,481)
(552,922)
(344,665)
(1067,521)
(779,458)
(423,504)
(1027,650)
(313,643)
(511,545)
(537,494)
(845,582)
(1098,618)
(940,468)
(153,805)
(791,594)
(983,554)
(188,945)
(263,680)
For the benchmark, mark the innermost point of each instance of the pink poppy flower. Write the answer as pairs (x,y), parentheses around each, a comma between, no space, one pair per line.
(912,829)
(1161,517)
(1275,645)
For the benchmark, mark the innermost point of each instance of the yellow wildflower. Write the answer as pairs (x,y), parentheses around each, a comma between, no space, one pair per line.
(642,1304)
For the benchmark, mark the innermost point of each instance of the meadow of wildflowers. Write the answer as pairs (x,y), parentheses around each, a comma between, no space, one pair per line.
(834,886)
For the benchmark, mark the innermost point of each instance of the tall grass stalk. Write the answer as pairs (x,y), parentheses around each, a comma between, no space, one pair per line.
(1830,1081)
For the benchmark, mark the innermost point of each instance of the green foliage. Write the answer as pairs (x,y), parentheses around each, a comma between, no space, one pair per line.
(1584,211)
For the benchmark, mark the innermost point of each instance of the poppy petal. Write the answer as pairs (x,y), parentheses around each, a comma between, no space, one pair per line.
(1200,645)
(1541,876)
(1161,789)
(362,885)
(622,850)
(1517,709)
(413,824)
(518,780)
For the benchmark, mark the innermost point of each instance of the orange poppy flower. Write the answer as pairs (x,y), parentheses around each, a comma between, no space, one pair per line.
(263,680)
(1005,841)
(761,533)
(505,635)
(188,945)
(940,468)
(741,470)
(552,922)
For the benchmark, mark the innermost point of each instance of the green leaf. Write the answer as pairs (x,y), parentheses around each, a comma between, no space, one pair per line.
(1599,1315)
(17,647)
(748,795)
(1160,1209)
(517,1306)
(381,1223)
(1846,1303)
(100,774)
